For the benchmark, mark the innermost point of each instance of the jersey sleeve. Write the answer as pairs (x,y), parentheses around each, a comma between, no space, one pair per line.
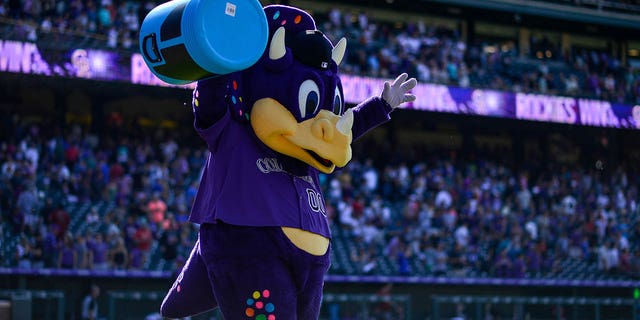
(211,109)
(368,115)
(210,101)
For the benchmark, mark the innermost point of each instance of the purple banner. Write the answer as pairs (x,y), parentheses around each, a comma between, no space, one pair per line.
(522,106)
(24,57)
(576,111)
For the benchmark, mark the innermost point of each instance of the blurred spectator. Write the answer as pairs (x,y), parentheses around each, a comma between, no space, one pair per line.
(99,250)
(157,209)
(441,261)
(518,267)
(458,261)
(143,238)
(169,242)
(502,265)
(38,252)
(23,253)
(90,304)
(59,220)
(118,256)
(137,259)
(68,258)
(28,205)
(83,254)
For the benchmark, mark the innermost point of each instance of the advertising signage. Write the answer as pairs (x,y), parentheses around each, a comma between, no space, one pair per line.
(522,106)
(26,58)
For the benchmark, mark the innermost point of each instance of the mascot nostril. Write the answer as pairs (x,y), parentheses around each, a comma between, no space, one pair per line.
(270,129)
(323,129)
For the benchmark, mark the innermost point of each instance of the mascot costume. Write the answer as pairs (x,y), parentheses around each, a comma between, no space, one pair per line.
(263,244)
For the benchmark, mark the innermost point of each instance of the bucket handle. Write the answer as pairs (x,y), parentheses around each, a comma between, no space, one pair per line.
(154,47)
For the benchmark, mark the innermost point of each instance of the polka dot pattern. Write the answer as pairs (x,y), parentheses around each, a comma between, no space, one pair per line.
(236,101)
(269,307)
(258,306)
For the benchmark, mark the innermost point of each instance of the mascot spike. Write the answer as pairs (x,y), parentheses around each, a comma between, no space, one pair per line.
(277,49)
(338,51)
(346,122)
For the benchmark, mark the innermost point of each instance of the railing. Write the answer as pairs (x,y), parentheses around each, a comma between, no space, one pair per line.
(21,303)
(480,304)
(143,300)
(601,5)
(363,306)
(335,306)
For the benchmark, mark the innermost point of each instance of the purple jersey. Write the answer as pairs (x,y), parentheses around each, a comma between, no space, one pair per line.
(246,183)
(67,258)
(99,252)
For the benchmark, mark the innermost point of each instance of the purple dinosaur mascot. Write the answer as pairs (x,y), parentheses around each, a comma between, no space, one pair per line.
(263,244)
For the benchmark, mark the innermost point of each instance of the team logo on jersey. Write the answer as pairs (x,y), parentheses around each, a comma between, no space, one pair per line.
(315,201)
(267,165)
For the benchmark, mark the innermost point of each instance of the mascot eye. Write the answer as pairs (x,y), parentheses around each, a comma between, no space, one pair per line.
(337,102)
(308,98)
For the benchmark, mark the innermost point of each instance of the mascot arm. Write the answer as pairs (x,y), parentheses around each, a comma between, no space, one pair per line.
(209,100)
(368,115)
(375,111)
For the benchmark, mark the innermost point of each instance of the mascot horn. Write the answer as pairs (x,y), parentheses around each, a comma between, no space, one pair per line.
(270,106)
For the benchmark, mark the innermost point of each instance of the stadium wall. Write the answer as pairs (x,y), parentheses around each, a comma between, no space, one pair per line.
(421,292)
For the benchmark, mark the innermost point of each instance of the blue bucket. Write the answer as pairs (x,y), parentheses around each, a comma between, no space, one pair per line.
(183,41)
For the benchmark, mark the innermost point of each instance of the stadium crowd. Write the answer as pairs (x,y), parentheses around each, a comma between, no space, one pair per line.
(453,217)
(439,54)
(148,182)
(377,48)
(450,216)
(486,218)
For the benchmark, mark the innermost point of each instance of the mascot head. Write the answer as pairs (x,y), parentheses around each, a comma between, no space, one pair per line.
(294,93)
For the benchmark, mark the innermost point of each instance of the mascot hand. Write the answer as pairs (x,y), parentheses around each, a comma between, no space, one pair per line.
(396,94)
